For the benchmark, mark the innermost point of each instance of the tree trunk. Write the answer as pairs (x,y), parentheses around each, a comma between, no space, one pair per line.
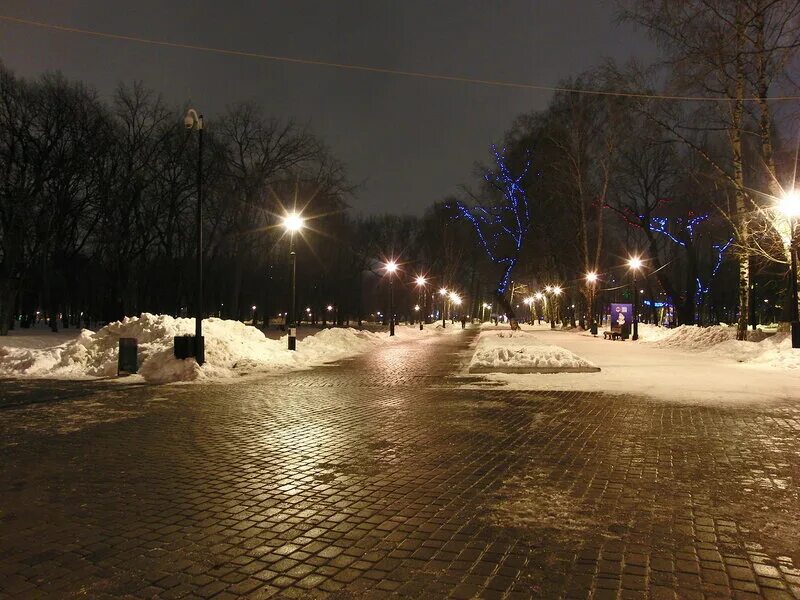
(738,176)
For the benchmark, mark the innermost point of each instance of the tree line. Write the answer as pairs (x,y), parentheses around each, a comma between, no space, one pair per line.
(681,163)
(98,214)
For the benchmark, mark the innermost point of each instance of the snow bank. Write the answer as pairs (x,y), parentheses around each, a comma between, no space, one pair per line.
(521,352)
(232,349)
(761,348)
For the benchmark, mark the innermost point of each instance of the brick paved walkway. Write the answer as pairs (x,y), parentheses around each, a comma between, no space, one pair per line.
(380,476)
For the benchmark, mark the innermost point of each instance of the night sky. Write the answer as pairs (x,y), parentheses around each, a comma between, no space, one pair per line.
(408,141)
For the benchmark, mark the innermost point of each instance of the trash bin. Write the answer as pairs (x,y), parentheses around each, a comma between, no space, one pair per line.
(128,362)
(593,328)
(184,346)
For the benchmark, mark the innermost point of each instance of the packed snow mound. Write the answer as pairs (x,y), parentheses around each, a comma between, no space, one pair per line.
(232,349)
(692,337)
(761,348)
(521,352)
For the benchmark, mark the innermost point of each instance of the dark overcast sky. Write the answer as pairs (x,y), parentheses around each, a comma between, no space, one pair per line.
(410,141)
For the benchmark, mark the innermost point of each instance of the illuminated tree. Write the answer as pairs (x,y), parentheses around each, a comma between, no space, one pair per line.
(502,227)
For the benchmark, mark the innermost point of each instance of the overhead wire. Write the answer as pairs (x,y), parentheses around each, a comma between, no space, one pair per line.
(376,69)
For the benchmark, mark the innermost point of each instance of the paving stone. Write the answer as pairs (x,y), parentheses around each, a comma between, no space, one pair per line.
(383,475)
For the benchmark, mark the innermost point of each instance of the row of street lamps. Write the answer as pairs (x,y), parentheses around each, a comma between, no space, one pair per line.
(788,205)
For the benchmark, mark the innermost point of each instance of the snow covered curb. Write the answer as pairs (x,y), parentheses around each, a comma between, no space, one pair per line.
(520,352)
(232,349)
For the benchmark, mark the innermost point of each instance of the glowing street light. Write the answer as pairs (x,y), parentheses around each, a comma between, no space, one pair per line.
(391,268)
(634,264)
(790,206)
(591,281)
(443,294)
(555,308)
(421,282)
(292,223)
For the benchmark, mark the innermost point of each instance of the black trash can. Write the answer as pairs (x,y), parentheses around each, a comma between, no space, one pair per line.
(128,362)
(184,346)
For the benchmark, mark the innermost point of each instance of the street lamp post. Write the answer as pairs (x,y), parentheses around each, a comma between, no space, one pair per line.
(192,120)
(591,280)
(557,304)
(391,268)
(421,281)
(790,207)
(443,294)
(454,299)
(292,223)
(635,263)
(540,296)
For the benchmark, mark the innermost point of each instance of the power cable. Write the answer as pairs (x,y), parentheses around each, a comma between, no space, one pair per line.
(372,69)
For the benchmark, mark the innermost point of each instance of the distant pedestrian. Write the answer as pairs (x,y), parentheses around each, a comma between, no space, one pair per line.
(463,322)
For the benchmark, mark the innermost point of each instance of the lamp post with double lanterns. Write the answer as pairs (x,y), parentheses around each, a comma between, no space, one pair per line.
(443,294)
(192,121)
(292,223)
(634,264)
(391,268)
(790,207)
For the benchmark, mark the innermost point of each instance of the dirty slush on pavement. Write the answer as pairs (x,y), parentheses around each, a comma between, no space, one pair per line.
(381,476)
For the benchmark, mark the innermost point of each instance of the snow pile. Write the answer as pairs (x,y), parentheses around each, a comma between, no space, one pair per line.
(774,351)
(232,349)
(761,348)
(691,337)
(521,352)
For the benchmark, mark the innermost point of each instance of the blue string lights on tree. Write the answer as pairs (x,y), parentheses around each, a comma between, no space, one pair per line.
(502,227)
(687,226)
(702,290)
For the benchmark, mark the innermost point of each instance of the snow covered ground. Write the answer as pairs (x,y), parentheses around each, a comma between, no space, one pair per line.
(684,364)
(232,349)
(505,351)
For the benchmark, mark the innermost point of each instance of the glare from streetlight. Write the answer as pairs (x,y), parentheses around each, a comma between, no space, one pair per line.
(557,290)
(528,300)
(455,298)
(789,204)
(487,305)
(443,291)
(421,280)
(330,307)
(293,222)
(548,288)
(416,307)
(538,295)
(391,267)
(591,277)
(635,263)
